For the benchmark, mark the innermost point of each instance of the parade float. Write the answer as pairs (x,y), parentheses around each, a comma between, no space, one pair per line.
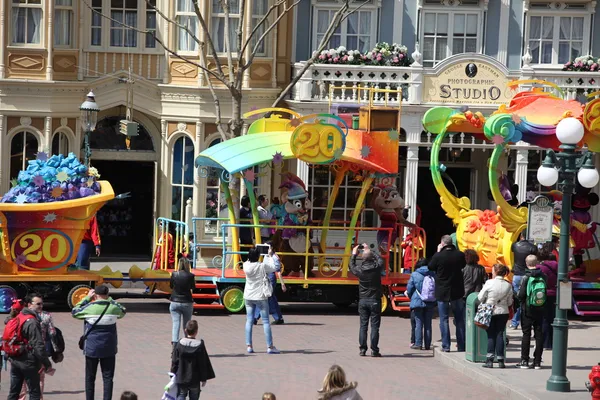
(43,218)
(531,116)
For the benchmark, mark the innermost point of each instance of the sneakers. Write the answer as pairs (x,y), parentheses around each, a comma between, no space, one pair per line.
(362,353)
(537,365)
(278,322)
(416,347)
(273,350)
(250,350)
(524,365)
(375,354)
(501,364)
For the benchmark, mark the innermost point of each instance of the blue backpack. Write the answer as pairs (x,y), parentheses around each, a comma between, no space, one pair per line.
(427,293)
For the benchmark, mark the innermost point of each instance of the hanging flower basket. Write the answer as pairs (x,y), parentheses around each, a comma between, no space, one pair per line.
(586,63)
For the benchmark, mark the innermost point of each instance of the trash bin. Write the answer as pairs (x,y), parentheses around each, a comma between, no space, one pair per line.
(476,340)
(355,122)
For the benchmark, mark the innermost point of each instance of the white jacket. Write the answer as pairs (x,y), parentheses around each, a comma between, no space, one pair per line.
(255,274)
(497,292)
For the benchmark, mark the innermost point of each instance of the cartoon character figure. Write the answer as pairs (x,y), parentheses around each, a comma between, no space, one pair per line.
(413,244)
(582,226)
(508,189)
(388,204)
(296,208)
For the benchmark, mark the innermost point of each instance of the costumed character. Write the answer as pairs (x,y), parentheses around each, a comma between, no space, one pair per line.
(509,191)
(296,209)
(388,204)
(91,241)
(412,244)
(582,226)
(165,242)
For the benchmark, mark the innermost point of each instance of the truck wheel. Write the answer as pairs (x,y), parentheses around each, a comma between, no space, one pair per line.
(385,303)
(7,295)
(232,298)
(76,294)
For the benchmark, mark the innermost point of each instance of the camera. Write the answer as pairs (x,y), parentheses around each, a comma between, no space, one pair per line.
(263,248)
(361,247)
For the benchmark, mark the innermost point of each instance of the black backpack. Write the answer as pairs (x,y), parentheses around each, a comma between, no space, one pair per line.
(60,345)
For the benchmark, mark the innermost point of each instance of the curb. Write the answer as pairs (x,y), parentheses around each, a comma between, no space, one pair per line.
(478,374)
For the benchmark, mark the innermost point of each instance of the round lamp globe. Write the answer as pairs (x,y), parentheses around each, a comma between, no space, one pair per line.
(588,177)
(569,131)
(547,176)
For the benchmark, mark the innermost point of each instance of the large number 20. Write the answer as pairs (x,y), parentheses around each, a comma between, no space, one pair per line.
(310,141)
(32,243)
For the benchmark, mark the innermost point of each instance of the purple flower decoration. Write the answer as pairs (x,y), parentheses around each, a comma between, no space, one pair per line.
(393,135)
(464,109)
(277,158)
(365,151)
(20,259)
(42,156)
(38,180)
(249,175)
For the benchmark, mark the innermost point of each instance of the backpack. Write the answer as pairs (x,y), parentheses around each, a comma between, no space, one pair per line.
(536,291)
(428,290)
(60,344)
(13,343)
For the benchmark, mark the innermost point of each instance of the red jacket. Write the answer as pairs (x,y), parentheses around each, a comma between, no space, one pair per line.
(92,233)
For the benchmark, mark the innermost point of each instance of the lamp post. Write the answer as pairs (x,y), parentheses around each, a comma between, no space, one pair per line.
(89,116)
(567,163)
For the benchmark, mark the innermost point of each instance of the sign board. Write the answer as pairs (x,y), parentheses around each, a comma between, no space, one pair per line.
(565,295)
(468,82)
(539,220)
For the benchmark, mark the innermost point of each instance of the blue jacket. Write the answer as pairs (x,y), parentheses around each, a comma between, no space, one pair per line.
(416,283)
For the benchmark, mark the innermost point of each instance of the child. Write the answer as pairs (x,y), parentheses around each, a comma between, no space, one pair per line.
(190,363)
(127,395)
(335,386)
(269,396)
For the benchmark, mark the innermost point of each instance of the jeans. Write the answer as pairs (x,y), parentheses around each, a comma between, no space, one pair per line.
(549,314)
(85,252)
(24,390)
(423,317)
(179,311)
(516,284)
(274,308)
(193,391)
(495,333)
(107,365)
(413,326)
(369,309)
(30,376)
(535,322)
(458,310)
(263,307)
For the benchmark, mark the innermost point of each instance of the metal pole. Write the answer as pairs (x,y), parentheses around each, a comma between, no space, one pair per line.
(87,151)
(558,381)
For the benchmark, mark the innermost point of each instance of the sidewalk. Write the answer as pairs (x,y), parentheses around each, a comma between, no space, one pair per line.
(514,383)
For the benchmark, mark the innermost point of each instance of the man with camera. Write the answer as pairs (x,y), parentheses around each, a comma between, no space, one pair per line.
(369,295)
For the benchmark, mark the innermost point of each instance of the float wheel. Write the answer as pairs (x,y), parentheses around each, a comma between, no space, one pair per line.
(7,295)
(232,298)
(385,303)
(77,293)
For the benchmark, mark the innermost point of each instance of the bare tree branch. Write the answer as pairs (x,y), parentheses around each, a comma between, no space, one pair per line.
(267,31)
(260,23)
(239,73)
(209,40)
(215,97)
(159,41)
(355,9)
(225,6)
(172,21)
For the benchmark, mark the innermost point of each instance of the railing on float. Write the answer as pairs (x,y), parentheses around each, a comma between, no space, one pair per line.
(167,233)
(414,245)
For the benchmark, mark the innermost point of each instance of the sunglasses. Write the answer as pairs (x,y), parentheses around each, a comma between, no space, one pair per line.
(38,304)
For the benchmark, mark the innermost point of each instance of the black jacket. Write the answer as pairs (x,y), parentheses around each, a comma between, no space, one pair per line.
(36,357)
(182,283)
(190,362)
(532,312)
(521,250)
(449,282)
(369,276)
(474,277)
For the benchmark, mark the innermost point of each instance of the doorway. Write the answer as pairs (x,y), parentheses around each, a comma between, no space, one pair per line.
(434,220)
(126,225)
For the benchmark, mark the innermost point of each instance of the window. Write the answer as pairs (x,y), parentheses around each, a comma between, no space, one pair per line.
(182,176)
(23,147)
(218,25)
(63,22)
(215,204)
(357,32)
(186,16)
(448,33)
(26,21)
(125,12)
(259,9)
(96,23)
(557,39)
(151,24)
(60,144)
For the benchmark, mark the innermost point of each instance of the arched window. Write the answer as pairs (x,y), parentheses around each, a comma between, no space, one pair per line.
(182,176)
(23,147)
(214,203)
(60,143)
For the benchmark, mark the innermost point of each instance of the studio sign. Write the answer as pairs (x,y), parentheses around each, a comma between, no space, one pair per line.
(468,82)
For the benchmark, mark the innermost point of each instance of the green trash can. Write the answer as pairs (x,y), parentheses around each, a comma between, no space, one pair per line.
(355,120)
(476,338)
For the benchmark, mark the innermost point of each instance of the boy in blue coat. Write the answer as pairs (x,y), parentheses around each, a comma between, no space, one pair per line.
(422,303)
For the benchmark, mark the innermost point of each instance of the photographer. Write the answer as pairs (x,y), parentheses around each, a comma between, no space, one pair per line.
(369,295)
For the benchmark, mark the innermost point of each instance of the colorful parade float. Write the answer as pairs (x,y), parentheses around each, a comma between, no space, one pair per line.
(43,218)
(531,117)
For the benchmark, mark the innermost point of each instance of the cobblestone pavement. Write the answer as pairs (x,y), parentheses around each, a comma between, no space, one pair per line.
(313,338)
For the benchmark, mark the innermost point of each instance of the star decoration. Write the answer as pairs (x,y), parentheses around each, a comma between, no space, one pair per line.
(42,156)
(516,119)
(464,109)
(13,182)
(20,259)
(253,108)
(393,135)
(62,176)
(295,122)
(20,199)
(249,175)
(365,151)
(337,154)
(38,180)
(50,217)
(277,158)
(56,192)
(90,182)
(497,139)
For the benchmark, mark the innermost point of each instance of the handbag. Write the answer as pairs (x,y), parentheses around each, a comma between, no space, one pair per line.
(483,316)
(267,288)
(83,338)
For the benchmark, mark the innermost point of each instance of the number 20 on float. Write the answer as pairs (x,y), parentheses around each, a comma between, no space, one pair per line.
(42,249)
(317,143)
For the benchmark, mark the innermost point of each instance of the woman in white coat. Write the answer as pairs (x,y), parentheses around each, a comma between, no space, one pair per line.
(498,293)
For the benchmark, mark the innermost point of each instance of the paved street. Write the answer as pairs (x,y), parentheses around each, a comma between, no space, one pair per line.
(313,338)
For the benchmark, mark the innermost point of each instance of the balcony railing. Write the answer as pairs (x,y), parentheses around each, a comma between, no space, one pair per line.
(98,64)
